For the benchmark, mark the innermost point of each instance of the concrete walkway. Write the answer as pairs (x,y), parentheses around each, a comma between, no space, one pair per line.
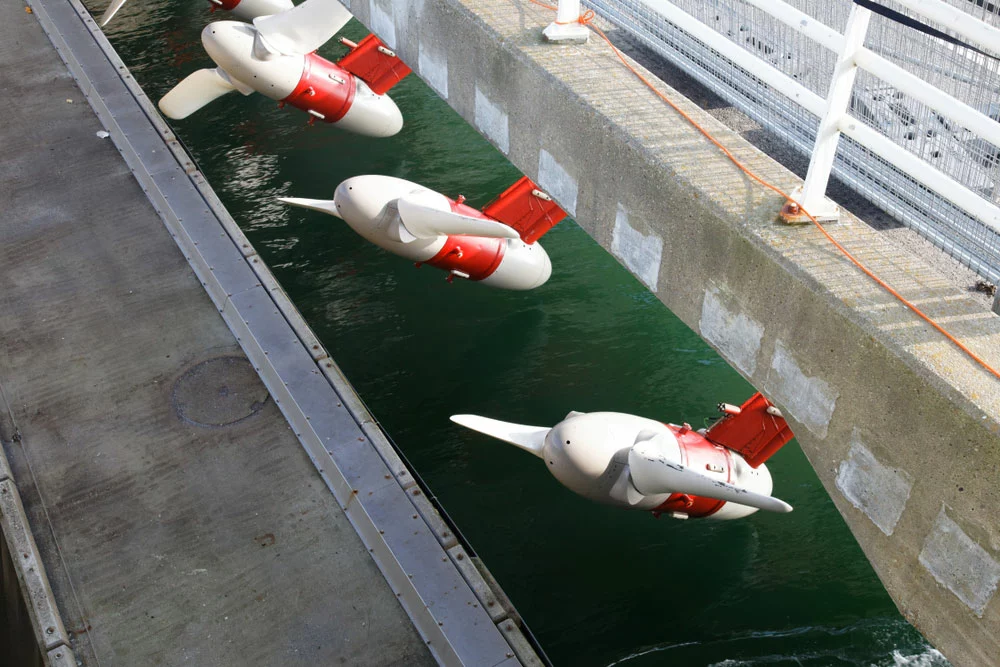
(177,514)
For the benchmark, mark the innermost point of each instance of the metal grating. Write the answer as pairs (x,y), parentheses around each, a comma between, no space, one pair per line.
(970,77)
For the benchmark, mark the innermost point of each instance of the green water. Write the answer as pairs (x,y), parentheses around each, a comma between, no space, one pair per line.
(597,586)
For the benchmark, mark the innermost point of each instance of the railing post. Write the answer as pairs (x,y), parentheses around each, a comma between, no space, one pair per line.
(812,194)
(567,28)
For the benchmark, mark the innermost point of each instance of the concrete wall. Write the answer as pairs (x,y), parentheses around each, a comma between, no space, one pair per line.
(902,428)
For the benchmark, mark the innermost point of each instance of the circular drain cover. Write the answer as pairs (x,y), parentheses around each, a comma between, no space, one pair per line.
(219,392)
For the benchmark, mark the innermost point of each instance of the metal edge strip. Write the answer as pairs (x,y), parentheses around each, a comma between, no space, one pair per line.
(50,632)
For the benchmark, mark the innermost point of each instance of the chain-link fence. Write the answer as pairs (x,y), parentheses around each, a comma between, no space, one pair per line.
(964,74)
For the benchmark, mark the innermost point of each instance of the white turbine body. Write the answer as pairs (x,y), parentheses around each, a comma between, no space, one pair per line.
(275,57)
(415,222)
(632,462)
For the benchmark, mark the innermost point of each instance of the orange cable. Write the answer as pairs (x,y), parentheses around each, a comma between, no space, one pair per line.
(586,19)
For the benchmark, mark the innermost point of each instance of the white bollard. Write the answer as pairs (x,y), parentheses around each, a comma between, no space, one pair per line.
(567,28)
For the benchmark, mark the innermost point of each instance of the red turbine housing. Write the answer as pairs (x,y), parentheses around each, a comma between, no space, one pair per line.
(522,206)
(756,430)
(697,453)
(326,90)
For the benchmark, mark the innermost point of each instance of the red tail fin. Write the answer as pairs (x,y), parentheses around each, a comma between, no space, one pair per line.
(527,209)
(374,64)
(753,431)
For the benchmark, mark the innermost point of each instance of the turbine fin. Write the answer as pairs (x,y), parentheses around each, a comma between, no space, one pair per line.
(424,214)
(195,91)
(757,430)
(303,29)
(111,11)
(328,206)
(397,231)
(653,474)
(529,438)
(527,209)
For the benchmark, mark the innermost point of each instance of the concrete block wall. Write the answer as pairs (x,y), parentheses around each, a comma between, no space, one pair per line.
(902,428)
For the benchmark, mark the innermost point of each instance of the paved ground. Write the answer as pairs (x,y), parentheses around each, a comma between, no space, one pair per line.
(178,517)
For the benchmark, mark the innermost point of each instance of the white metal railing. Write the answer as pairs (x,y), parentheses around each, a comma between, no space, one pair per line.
(835,120)
(662,24)
(833,110)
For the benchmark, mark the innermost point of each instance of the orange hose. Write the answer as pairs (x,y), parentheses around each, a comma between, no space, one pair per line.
(586,19)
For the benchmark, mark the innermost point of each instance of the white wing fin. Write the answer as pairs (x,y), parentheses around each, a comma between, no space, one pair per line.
(111,11)
(653,474)
(427,214)
(529,438)
(397,231)
(303,29)
(321,205)
(248,10)
(194,92)
(631,494)
(262,49)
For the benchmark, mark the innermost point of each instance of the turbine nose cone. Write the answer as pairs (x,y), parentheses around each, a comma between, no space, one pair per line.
(227,43)
(359,201)
(579,453)
(371,115)
(578,442)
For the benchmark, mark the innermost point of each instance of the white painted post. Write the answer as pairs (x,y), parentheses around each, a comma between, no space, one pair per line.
(812,194)
(567,28)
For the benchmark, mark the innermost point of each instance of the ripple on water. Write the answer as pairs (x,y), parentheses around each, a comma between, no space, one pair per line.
(813,647)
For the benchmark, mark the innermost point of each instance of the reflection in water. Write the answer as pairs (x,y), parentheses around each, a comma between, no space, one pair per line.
(598,586)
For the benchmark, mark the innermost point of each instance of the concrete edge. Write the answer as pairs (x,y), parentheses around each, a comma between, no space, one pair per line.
(50,632)
(424,611)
